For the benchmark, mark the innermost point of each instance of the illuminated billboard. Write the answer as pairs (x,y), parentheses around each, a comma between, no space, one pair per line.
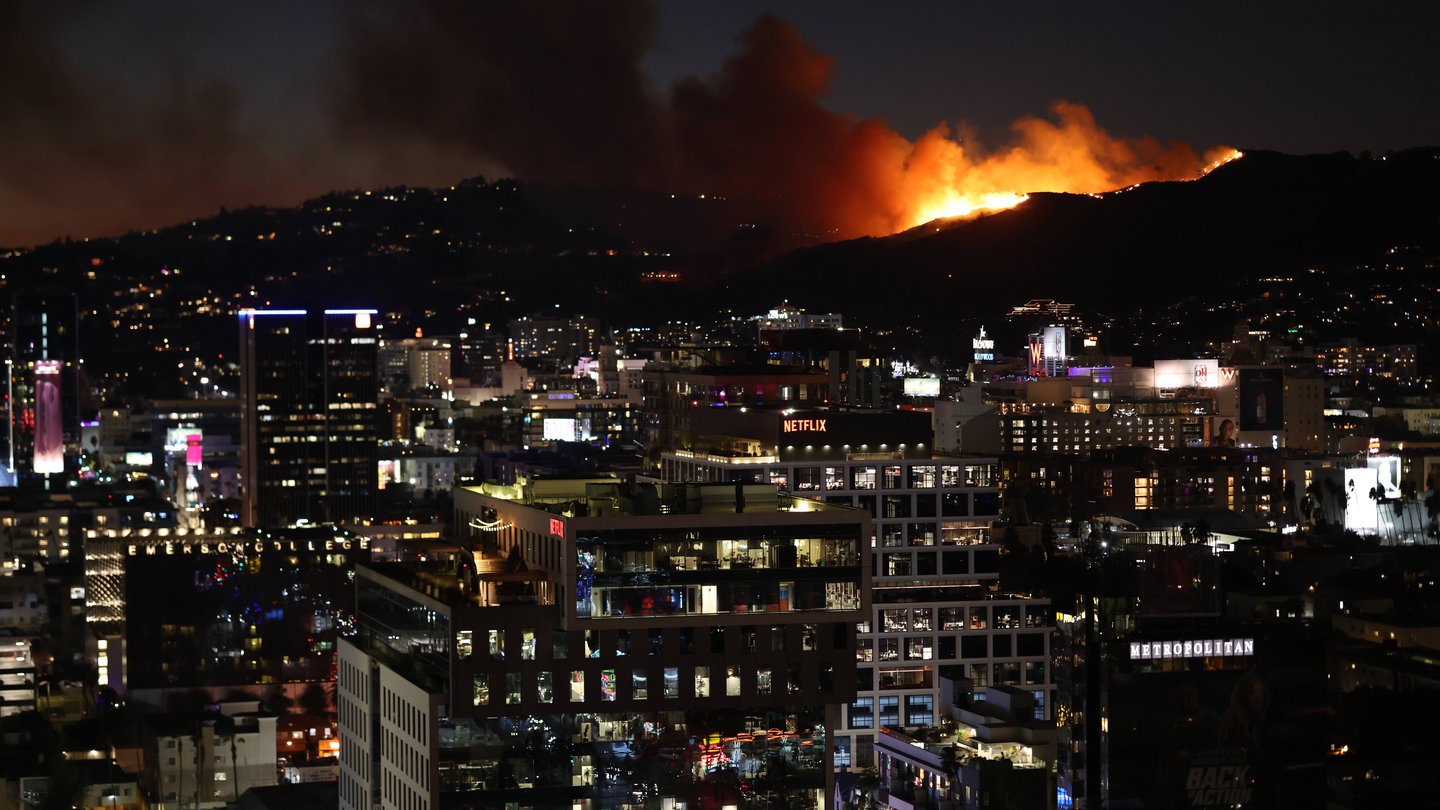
(389,472)
(1387,474)
(922,386)
(1362,512)
(1198,373)
(1056,349)
(194,449)
(177,439)
(1262,399)
(559,429)
(1222,431)
(49,433)
(983,347)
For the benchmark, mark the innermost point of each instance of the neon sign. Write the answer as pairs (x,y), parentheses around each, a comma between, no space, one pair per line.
(1198,648)
(803,425)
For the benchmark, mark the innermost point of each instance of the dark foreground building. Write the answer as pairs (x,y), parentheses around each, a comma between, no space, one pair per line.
(616,646)
(222,610)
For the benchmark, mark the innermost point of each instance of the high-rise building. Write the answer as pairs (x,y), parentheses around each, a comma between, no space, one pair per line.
(43,387)
(615,645)
(309,427)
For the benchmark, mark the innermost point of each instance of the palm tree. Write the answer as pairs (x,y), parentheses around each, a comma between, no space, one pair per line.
(1432,510)
(1201,532)
(234,764)
(950,763)
(1377,494)
(1409,495)
(1339,497)
(1314,498)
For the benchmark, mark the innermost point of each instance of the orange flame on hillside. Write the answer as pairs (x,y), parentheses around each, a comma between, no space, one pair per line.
(944,180)
(757,130)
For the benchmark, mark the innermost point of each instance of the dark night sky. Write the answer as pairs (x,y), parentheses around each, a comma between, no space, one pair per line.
(118,115)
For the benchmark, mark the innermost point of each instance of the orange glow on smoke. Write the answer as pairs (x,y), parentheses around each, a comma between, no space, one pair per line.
(758,130)
(942,178)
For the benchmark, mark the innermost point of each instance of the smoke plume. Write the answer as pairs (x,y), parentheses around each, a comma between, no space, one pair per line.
(101,131)
(553,92)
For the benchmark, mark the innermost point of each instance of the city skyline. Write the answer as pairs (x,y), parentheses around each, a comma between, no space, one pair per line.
(143,116)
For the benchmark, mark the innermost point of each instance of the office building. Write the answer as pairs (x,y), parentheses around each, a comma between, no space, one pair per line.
(566,416)
(936,600)
(677,398)
(309,428)
(604,645)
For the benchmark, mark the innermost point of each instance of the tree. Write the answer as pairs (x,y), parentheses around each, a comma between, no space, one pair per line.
(1339,497)
(1432,511)
(1377,494)
(950,762)
(1315,501)
(278,700)
(1202,531)
(1287,501)
(314,700)
(1409,495)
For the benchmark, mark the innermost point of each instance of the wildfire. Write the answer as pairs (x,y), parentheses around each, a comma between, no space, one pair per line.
(1220,156)
(945,180)
(958,206)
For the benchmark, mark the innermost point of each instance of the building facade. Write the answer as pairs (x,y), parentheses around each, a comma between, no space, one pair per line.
(207,761)
(936,600)
(612,646)
(309,427)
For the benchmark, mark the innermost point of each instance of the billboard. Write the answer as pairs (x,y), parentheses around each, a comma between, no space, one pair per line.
(1262,399)
(1362,513)
(389,472)
(1037,356)
(558,430)
(1222,431)
(922,386)
(1197,373)
(49,425)
(1216,731)
(1387,474)
(1056,349)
